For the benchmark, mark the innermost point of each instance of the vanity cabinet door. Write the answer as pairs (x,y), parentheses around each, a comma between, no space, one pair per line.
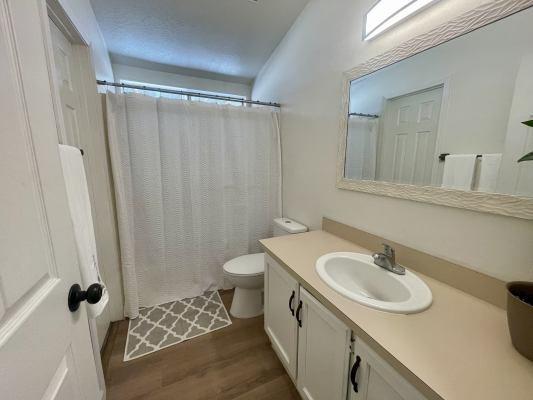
(323,352)
(281,301)
(372,378)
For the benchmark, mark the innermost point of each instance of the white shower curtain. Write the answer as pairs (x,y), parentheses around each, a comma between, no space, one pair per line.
(196,184)
(361,148)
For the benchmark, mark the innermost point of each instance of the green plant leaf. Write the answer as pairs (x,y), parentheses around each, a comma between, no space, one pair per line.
(528,123)
(527,157)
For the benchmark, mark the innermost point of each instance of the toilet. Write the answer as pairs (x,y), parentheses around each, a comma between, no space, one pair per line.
(247,272)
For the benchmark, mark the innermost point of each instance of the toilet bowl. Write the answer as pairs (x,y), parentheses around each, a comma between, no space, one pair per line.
(247,272)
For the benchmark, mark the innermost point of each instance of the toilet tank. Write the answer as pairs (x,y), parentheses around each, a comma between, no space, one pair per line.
(286,226)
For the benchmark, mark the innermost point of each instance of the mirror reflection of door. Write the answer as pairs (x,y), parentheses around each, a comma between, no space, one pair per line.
(408,137)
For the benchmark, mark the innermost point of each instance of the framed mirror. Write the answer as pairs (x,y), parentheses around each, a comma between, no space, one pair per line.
(440,119)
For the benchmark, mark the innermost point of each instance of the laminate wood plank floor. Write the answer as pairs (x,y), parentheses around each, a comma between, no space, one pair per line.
(236,362)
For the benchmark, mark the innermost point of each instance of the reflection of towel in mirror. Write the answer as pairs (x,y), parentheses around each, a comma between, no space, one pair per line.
(361,148)
(459,171)
(489,169)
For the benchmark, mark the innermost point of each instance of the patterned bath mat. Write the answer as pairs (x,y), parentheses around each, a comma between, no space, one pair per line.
(168,324)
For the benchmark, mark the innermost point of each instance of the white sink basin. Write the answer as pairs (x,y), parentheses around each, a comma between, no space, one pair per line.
(356,277)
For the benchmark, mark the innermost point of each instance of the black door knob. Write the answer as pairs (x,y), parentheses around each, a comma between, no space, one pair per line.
(93,294)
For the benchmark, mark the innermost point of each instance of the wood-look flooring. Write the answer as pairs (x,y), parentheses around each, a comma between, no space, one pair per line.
(236,362)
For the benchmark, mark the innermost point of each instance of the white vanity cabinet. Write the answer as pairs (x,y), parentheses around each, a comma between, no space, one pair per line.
(281,300)
(323,351)
(372,378)
(312,344)
(316,347)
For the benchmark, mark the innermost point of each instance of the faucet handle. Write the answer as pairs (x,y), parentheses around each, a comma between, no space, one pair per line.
(389,251)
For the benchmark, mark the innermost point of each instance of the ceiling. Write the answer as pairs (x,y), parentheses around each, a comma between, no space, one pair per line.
(229,38)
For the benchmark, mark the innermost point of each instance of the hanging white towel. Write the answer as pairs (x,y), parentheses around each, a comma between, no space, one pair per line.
(489,171)
(80,212)
(459,171)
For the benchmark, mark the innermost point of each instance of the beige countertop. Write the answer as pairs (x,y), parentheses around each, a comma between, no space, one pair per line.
(458,349)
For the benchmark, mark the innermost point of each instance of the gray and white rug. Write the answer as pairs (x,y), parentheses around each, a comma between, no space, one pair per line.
(168,324)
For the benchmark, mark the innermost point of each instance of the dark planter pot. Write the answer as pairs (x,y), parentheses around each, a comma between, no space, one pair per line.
(520,316)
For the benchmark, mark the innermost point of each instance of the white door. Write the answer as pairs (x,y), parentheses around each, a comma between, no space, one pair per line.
(408,138)
(45,350)
(281,300)
(323,352)
(371,378)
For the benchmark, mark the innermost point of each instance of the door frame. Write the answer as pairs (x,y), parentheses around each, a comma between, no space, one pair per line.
(53,10)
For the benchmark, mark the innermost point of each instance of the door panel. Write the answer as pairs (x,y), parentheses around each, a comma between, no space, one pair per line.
(65,68)
(377,380)
(38,262)
(380,389)
(280,324)
(323,352)
(63,385)
(409,136)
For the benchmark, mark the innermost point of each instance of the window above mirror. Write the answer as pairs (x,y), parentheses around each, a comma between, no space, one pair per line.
(387,13)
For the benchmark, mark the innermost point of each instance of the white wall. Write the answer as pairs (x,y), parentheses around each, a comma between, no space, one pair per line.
(518,177)
(82,15)
(305,75)
(137,74)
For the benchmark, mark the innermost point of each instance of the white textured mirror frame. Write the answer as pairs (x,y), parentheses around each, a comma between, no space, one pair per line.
(503,204)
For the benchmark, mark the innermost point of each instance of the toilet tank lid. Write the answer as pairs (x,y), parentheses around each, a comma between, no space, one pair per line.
(290,226)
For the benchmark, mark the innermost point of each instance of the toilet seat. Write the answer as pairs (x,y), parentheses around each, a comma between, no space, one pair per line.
(247,265)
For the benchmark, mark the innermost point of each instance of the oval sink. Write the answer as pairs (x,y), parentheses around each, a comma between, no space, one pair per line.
(356,277)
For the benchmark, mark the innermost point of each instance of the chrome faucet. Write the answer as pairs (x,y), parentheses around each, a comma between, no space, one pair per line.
(387,260)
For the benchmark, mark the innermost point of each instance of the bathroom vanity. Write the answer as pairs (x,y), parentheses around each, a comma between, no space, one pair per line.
(335,348)
(322,356)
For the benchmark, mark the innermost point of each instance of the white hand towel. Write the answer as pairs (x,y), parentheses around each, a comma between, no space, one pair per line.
(489,170)
(459,171)
(80,212)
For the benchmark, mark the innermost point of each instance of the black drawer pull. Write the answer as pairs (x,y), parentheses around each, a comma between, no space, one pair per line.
(353,374)
(298,310)
(290,302)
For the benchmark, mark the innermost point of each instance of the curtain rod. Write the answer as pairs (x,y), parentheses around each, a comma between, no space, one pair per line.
(187,93)
(356,114)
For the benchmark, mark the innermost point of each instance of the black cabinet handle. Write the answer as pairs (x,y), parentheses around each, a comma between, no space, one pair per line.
(298,310)
(353,374)
(290,302)
(93,294)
